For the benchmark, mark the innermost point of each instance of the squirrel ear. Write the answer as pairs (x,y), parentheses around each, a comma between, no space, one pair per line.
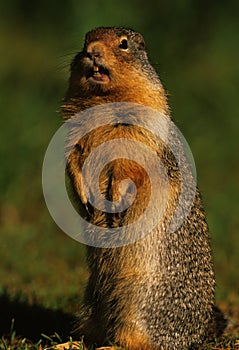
(141,45)
(140,41)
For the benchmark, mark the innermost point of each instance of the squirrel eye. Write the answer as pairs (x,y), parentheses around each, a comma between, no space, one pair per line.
(123,44)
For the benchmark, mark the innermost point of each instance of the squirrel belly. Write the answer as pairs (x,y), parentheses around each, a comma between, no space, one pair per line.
(157,292)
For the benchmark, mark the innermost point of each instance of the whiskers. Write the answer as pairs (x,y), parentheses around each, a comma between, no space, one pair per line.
(65,60)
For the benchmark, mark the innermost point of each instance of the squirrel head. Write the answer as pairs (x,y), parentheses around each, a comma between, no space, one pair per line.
(112,60)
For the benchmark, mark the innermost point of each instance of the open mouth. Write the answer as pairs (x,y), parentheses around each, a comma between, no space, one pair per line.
(99,74)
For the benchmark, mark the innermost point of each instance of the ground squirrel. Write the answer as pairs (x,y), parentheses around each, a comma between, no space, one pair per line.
(156,293)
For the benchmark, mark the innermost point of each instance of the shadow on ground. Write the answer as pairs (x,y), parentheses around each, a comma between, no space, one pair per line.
(30,321)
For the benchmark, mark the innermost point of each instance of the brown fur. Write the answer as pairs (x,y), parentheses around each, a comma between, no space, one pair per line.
(128,83)
(157,293)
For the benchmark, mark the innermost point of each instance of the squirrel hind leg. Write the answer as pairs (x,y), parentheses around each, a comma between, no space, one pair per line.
(133,340)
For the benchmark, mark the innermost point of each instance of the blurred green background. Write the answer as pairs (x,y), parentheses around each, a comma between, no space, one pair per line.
(194,45)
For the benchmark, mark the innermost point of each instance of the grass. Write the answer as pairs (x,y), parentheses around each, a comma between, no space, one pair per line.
(46,342)
(13,342)
(43,328)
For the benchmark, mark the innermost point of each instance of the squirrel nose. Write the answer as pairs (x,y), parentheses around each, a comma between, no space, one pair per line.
(95,51)
(93,55)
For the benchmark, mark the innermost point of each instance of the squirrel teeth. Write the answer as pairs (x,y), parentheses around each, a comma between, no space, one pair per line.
(96,69)
(99,74)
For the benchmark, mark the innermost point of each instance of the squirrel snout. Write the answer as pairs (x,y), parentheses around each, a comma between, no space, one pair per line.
(95,52)
(93,55)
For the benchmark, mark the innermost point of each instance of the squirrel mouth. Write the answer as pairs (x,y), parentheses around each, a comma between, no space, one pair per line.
(99,75)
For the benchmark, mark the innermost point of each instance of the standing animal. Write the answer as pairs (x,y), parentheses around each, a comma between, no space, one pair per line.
(157,292)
